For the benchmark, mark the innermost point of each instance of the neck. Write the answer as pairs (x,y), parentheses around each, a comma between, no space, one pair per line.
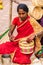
(24,18)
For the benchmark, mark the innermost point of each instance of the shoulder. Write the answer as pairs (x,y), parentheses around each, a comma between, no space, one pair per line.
(16,18)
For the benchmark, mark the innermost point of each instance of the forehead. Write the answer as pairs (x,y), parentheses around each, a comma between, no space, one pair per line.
(21,10)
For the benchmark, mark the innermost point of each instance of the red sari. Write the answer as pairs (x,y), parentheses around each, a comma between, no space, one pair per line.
(24,29)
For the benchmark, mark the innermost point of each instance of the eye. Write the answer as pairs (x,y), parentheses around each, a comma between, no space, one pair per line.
(19,13)
(23,13)
(42,7)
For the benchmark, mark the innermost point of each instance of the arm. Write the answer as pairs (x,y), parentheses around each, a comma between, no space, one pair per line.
(37,44)
(12,27)
(29,39)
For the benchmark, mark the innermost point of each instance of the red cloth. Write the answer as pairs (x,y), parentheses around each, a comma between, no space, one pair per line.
(24,30)
(21,58)
(9,47)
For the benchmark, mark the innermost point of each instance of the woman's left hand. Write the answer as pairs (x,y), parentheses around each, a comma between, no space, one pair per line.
(30,38)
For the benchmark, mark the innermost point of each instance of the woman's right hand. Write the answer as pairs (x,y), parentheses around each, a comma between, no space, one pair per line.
(11,37)
(10,34)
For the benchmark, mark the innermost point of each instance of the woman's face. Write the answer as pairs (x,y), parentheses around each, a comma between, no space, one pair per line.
(22,14)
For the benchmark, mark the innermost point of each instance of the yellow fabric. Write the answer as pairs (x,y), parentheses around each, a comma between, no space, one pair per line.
(38,29)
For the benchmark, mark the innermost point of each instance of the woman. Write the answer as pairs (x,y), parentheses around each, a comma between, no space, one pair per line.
(24,29)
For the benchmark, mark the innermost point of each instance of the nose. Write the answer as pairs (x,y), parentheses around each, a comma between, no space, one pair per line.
(21,15)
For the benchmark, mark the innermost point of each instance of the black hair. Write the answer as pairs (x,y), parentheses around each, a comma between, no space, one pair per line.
(22,6)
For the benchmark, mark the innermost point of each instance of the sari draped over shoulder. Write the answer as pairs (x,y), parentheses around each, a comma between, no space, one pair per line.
(36,26)
(38,29)
(24,30)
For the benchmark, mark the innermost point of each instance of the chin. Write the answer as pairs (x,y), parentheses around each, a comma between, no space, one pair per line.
(22,19)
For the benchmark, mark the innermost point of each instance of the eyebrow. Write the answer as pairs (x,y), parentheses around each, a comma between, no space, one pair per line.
(21,13)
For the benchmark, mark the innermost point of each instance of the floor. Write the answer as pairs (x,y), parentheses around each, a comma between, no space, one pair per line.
(35,61)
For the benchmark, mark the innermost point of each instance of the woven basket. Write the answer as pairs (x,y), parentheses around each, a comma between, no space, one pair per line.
(25,47)
(37,13)
(40,2)
(37,3)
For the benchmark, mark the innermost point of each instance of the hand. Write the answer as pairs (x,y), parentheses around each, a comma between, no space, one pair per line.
(9,34)
(30,38)
(11,37)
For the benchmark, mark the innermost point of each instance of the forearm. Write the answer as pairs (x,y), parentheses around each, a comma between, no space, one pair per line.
(37,44)
(12,27)
(40,35)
